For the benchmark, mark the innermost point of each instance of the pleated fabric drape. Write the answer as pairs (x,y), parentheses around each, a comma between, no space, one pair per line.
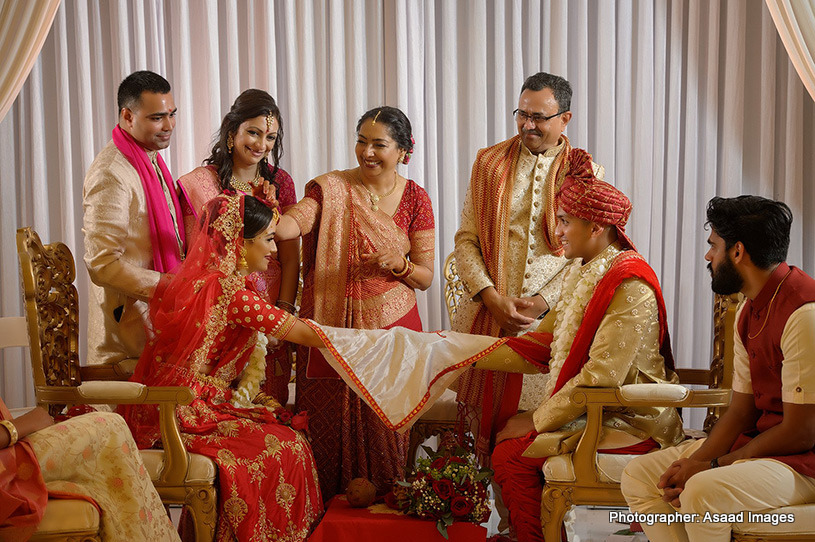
(795,22)
(680,100)
(23,29)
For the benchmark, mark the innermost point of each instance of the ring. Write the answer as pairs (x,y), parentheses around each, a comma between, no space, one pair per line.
(383,265)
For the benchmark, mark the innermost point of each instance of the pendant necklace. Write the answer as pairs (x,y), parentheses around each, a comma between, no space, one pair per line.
(376,197)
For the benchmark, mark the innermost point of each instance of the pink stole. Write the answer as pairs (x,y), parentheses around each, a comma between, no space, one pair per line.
(163,238)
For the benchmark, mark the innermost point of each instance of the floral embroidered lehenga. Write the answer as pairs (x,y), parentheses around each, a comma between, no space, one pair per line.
(198,187)
(89,457)
(338,226)
(207,322)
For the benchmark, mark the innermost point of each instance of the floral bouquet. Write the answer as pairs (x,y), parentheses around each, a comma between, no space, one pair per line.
(446,487)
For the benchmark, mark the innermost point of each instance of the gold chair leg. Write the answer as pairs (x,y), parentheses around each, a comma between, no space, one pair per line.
(200,502)
(555,501)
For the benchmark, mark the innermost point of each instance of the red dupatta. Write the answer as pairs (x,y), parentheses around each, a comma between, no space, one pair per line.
(629,264)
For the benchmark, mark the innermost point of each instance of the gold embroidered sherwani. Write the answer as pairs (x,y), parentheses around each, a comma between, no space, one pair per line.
(530,267)
(625,350)
(119,258)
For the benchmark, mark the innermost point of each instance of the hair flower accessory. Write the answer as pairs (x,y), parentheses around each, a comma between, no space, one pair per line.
(409,153)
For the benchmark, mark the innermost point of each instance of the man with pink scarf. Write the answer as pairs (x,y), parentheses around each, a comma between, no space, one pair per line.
(132,222)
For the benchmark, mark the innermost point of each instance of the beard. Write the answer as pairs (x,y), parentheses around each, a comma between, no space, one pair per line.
(725,279)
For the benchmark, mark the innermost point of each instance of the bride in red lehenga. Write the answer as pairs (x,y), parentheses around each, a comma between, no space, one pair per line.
(210,328)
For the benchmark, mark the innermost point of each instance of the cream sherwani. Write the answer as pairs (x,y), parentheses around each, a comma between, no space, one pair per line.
(530,267)
(119,258)
(625,350)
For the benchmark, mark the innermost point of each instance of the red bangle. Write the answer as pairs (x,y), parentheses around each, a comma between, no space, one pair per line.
(407,270)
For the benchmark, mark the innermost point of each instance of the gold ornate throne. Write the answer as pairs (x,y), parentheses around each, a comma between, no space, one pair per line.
(52,313)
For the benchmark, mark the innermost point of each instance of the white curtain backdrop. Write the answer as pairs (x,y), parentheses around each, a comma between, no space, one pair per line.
(679,100)
(795,21)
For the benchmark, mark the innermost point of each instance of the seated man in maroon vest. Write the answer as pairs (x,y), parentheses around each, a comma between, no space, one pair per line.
(608,329)
(759,456)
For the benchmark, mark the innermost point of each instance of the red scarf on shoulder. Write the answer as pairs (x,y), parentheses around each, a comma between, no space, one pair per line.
(535,347)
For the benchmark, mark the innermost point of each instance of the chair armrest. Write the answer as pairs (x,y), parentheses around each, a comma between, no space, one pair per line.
(632,395)
(113,392)
(176,458)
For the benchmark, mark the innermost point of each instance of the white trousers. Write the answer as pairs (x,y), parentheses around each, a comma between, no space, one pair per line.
(753,485)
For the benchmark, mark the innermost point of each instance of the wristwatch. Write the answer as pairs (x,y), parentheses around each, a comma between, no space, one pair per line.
(12,431)
(714,463)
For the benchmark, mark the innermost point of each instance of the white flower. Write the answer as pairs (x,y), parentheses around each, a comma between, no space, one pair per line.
(253,375)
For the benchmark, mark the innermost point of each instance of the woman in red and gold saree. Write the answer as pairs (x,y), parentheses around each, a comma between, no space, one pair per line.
(209,330)
(247,154)
(368,243)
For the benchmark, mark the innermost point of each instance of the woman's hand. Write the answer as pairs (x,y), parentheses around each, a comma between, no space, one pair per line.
(26,424)
(266,191)
(386,261)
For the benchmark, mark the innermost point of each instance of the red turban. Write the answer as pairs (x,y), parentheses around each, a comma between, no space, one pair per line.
(585,196)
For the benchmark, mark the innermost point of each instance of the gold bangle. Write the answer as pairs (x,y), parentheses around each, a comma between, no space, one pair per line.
(286,306)
(12,431)
(404,272)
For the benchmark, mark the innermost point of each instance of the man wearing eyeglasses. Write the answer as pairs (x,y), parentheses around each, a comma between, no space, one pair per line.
(506,250)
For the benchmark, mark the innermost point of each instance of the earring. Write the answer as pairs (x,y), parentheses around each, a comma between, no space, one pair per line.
(230,142)
(242,263)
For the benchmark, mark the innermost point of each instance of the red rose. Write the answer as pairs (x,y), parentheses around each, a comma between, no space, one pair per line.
(460,506)
(283,415)
(456,459)
(395,502)
(438,463)
(299,421)
(443,488)
(467,487)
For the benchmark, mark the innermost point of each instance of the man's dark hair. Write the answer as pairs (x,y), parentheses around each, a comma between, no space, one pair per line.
(559,86)
(131,88)
(761,224)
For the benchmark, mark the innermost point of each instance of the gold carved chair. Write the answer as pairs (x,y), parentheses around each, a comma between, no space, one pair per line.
(65,520)
(52,314)
(441,417)
(586,477)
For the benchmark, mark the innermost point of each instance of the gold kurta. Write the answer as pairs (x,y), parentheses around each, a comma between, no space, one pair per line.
(530,267)
(119,258)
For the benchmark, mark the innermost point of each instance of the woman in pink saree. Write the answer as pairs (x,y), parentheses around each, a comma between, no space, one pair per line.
(368,243)
(247,154)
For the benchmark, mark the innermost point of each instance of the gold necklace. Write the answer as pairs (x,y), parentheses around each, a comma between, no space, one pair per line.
(245,186)
(769,306)
(376,197)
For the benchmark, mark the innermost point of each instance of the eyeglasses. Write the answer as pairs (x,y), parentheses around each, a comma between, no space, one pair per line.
(537,118)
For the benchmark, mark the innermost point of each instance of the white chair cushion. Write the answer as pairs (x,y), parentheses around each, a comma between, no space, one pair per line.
(69,515)
(444,409)
(201,470)
(803,514)
(654,392)
(559,468)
